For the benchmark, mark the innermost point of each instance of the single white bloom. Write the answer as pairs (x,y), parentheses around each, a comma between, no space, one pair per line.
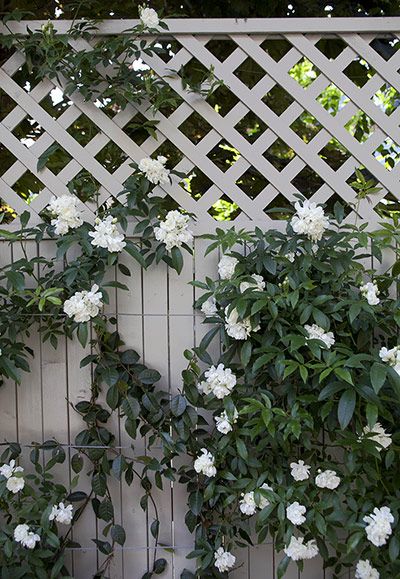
(295,513)
(309,220)
(15,484)
(174,230)
(226,266)
(224,423)
(379,435)
(238,329)
(68,216)
(317,333)
(224,560)
(149,17)
(27,538)
(364,570)
(378,528)
(209,307)
(290,256)
(219,381)
(327,480)
(370,291)
(84,305)
(155,170)
(257,284)
(299,470)
(204,463)
(7,469)
(61,513)
(392,357)
(297,550)
(106,235)
(247,504)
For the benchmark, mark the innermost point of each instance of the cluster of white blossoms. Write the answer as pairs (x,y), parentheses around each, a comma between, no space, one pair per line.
(297,550)
(226,266)
(299,470)
(204,463)
(106,235)
(209,307)
(258,283)
(248,505)
(309,220)
(27,538)
(295,513)
(378,434)
(370,291)
(364,570)
(317,333)
(84,305)
(392,357)
(224,560)
(327,479)
(61,513)
(148,17)
(155,170)
(174,230)
(68,216)
(224,423)
(238,329)
(219,381)
(379,527)
(13,474)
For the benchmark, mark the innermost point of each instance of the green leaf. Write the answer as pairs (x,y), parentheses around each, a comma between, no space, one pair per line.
(77,462)
(135,253)
(159,566)
(149,376)
(394,548)
(83,334)
(131,407)
(44,157)
(245,353)
(106,510)
(118,534)
(154,528)
(196,502)
(378,376)
(371,414)
(282,567)
(346,407)
(242,449)
(178,405)
(344,374)
(177,259)
(113,397)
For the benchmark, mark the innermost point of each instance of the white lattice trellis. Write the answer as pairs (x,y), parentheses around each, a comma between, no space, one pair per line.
(192,44)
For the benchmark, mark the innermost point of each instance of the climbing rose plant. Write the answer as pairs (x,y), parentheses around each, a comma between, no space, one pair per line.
(302,405)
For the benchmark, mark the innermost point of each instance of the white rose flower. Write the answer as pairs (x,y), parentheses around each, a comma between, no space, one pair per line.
(155,170)
(220,381)
(364,570)
(61,513)
(15,484)
(209,307)
(327,480)
(309,220)
(317,333)
(84,305)
(68,216)
(299,470)
(174,231)
(238,329)
(297,550)
(378,528)
(247,504)
(149,17)
(226,266)
(224,560)
(27,538)
(258,284)
(295,513)
(290,256)
(204,463)
(224,424)
(379,435)
(7,470)
(392,357)
(370,291)
(106,235)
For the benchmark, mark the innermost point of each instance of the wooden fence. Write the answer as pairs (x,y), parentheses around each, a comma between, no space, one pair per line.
(156,316)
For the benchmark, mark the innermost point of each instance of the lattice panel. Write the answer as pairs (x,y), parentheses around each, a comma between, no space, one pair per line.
(253,152)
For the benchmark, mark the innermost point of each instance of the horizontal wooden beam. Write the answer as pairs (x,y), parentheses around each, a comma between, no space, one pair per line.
(230,25)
